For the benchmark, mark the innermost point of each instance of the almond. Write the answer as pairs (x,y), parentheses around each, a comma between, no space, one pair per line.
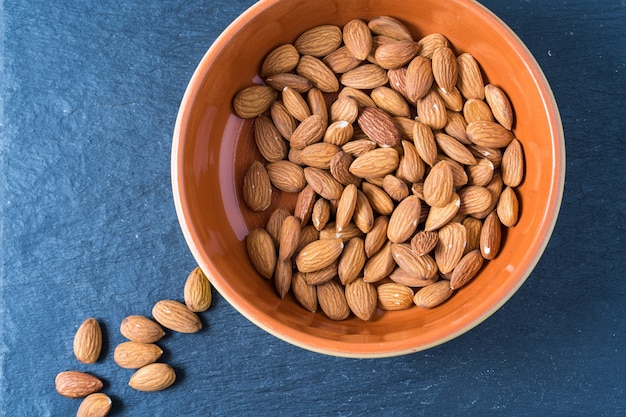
(363,216)
(438,185)
(134,355)
(76,384)
(153,377)
(345,234)
(459,176)
(197,291)
(344,108)
(425,144)
(445,70)
(379,265)
(490,236)
(141,329)
(317,103)
(339,133)
(474,199)
(323,183)
(311,130)
(489,134)
(340,169)
(492,154)
(365,77)
(332,300)
(305,294)
(322,275)
(358,147)
(341,60)
(289,237)
(88,341)
(254,100)
(470,80)
(394,296)
(396,54)
(500,105)
(389,26)
(282,120)
(319,254)
(352,260)
(379,200)
(360,96)
(466,269)
(397,80)
(475,110)
(275,222)
(377,236)
(513,164)
(295,82)
(424,242)
(431,110)
(419,266)
(481,173)
(257,187)
(358,38)
(346,206)
(395,187)
(411,167)
(286,176)
(321,213)
(376,163)
(308,234)
(449,249)
(454,149)
(508,207)
(433,294)
(296,104)
(400,276)
(304,205)
(319,41)
(379,127)
(94,405)
(281,59)
(472,227)
(390,101)
(405,126)
(318,73)
(362,298)
(452,98)
(404,219)
(419,78)
(268,139)
(283,276)
(430,43)
(262,252)
(495,188)
(176,316)
(439,216)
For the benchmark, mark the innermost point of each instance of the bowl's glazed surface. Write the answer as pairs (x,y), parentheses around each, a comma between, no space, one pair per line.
(212,148)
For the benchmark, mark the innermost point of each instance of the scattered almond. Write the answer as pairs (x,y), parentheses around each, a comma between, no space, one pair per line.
(176,316)
(88,341)
(94,405)
(141,329)
(76,384)
(134,355)
(153,377)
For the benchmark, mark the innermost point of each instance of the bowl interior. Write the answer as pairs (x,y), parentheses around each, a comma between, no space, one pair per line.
(212,148)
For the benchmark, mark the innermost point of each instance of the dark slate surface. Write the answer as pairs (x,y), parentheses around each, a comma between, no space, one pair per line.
(90,92)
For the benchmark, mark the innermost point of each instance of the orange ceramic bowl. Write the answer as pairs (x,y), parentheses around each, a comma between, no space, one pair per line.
(212,148)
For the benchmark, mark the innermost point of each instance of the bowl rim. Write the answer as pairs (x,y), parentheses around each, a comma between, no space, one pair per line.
(554,200)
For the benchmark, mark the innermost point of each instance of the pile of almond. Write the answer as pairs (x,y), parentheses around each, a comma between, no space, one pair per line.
(403,161)
(140,352)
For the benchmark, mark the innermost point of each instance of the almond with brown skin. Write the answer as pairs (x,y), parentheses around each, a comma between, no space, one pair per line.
(88,341)
(153,377)
(286,176)
(305,294)
(296,104)
(403,277)
(474,199)
(508,207)
(419,78)
(321,213)
(317,103)
(459,176)
(495,188)
(425,144)
(470,80)
(341,60)
(339,133)
(94,405)
(358,147)
(175,316)
(445,70)
(322,275)
(475,110)
(275,222)
(404,219)
(500,105)
(134,355)
(311,130)
(449,249)
(466,269)
(430,43)
(76,384)
(481,173)
(396,54)
(390,101)
(365,77)
(296,82)
(376,163)
(379,200)
(352,260)
(262,251)
(281,59)
(344,108)
(431,110)
(379,265)
(393,296)
(419,266)
(319,254)
(254,100)
(440,216)
(347,233)
(456,127)
(358,38)
(433,294)
(318,73)
(304,205)
(360,96)
(283,276)
(438,185)
(377,236)
(269,140)
(411,167)
(472,227)
(395,187)
(397,80)
(379,127)
(257,187)
(282,120)
(141,329)
(452,98)
(332,300)
(289,237)
(346,206)
(454,149)
(197,291)
(319,40)
(362,299)
(323,183)
(513,164)
(340,169)
(490,236)
(424,242)
(389,26)
(363,216)
(489,134)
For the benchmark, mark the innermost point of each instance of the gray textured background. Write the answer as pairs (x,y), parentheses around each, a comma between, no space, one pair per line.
(90,92)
